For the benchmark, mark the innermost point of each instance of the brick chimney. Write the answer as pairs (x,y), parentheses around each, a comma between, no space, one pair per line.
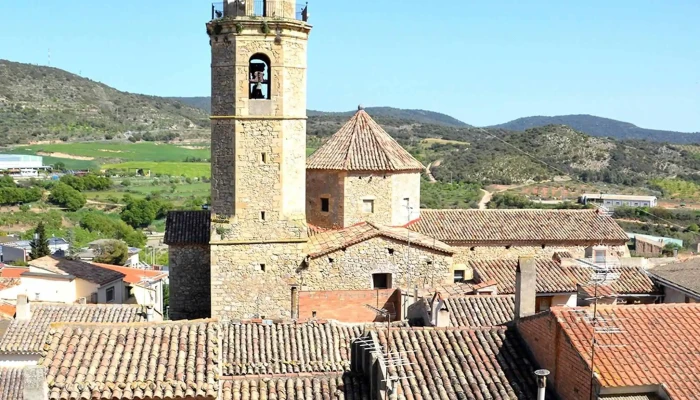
(22,312)
(34,383)
(525,287)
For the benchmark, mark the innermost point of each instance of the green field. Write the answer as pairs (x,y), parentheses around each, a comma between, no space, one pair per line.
(183,191)
(188,169)
(118,151)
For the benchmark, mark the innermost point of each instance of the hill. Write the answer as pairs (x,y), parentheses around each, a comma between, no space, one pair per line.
(422,116)
(598,126)
(40,103)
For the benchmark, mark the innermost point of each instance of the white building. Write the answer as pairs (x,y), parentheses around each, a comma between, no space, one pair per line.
(610,201)
(20,250)
(20,165)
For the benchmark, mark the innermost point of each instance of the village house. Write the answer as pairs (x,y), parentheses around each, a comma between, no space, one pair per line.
(142,286)
(18,251)
(648,351)
(54,279)
(22,339)
(679,281)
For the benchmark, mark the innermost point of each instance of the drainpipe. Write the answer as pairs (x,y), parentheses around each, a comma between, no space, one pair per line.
(541,382)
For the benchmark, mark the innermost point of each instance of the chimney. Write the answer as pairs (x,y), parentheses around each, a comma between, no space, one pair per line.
(149,313)
(34,383)
(525,287)
(22,312)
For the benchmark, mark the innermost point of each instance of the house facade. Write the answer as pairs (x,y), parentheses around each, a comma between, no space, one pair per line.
(610,201)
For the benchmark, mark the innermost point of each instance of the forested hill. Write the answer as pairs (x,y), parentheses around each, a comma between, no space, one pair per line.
(597,126)
(43,103)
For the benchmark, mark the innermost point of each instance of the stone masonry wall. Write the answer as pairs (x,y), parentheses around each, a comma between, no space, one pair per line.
(189,275)
(368,186)
(464,253)
(352,269)
(328,184)
(405,186)
(242,288)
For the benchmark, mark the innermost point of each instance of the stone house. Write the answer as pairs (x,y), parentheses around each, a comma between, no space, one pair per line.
(679,281)
(643,351)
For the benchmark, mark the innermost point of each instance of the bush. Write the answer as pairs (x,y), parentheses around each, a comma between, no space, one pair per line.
(126,183)
(65,196)
(24,207)
(87,182)
(113,252)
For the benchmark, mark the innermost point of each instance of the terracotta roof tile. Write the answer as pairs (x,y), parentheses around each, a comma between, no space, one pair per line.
(514,226)
(6,283)
(188,227)
(685,274)
(78,269)
(11,272)
(332,240)
(11,385)
(134,275)
(7,311)
(283,348)
(659,345)
(29,337)
(631,281)
(460,363)
(362,145)
(480,311)
(133,361)
(316,387)
(551,277)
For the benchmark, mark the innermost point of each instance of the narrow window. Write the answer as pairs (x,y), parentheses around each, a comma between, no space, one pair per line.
(543,303)
(325,204)
(458,275)
(368,206)
(313,314)
(263,158)
(262,267)
(330,260)
(391,252)
(259,77)
(262,215)
(381,281)
(110,294)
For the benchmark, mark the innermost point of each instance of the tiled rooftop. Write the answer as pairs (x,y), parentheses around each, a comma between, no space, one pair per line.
(632,280)
(362,145)
(310,387)
(481,311)
(659,345)
(551,276)
(11,385)
(284,348)
(188,227)
(6,283)
(78,269)
(12,272)
(175,360)
(505,227)
(135,275)
(460,363)
(29,337)
(332,240)
(685,274)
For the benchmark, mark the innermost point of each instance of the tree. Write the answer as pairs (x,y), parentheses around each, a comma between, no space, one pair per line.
(59,166)
(65,196)
(113,252)
(40,244)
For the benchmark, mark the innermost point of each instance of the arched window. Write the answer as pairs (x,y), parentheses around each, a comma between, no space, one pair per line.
(259,77)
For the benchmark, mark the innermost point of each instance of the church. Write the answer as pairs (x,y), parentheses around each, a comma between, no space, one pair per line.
(286,235)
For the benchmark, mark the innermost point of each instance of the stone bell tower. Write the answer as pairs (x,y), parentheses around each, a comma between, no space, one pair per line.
(258,145)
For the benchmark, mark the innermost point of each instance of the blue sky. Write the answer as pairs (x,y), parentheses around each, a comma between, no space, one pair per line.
(484,62)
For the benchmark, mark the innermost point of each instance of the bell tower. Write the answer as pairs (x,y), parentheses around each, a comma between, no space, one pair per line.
(258,121)
(258,156)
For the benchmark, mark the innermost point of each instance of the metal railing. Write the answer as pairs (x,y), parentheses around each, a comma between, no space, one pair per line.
(260,8)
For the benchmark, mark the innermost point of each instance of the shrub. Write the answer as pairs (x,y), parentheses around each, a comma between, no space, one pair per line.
(65,196)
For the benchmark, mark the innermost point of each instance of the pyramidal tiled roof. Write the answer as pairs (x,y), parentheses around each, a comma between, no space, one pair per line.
(362,145)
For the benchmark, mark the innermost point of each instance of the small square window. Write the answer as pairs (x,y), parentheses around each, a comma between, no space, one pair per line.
(330,260)
(381,281)
(325,204)
(368,206)
(391,252)
(110,294)
(459,275)
(262,267)
(262,215)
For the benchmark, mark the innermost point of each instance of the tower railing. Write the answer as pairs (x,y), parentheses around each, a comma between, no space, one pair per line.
(260,8)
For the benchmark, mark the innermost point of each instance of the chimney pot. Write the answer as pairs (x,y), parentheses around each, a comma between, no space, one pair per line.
(23,311)
(525,287)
